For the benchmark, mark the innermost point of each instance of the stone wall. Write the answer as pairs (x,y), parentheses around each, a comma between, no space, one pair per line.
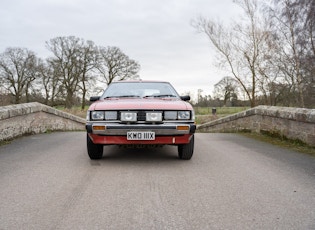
(292,123)
(32,118)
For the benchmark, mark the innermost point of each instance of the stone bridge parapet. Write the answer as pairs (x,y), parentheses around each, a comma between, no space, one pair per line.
(292,123)
(33,118)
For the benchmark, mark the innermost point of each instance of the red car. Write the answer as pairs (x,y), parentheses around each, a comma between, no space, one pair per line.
(140,113)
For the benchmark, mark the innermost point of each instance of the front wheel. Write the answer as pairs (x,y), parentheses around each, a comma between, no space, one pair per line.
(186,151)
(95,151)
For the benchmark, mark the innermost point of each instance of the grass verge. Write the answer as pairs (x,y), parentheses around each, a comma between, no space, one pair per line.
(5,142)
(297,146)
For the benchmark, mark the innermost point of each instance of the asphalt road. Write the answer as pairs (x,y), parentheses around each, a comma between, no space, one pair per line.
(232,182)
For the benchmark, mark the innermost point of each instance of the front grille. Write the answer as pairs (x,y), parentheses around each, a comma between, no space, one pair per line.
(141,115)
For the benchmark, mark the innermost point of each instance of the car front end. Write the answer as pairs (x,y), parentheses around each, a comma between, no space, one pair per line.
(143,116)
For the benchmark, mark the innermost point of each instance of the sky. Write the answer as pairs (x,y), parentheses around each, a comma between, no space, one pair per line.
(156,33)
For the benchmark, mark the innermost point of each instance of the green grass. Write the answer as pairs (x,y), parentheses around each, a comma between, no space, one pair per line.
(6,142)
(295,145)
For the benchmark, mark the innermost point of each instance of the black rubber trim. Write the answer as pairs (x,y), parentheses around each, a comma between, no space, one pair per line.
(88,128)
(192,129)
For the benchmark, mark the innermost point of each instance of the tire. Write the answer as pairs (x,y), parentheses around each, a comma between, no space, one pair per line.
(95,151)
(186,151)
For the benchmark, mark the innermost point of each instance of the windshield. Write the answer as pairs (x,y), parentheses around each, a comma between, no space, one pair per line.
(140,90)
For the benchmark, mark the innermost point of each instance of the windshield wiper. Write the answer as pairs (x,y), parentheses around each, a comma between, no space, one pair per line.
(121,96)
(163,95)
(129,96)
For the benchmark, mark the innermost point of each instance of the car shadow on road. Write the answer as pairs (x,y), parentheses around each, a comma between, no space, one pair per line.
(123,154)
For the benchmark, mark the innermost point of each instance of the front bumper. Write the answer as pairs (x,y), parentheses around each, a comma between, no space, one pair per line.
(122,140)
(116,133)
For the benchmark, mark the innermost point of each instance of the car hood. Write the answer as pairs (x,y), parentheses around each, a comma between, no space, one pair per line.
(140,104)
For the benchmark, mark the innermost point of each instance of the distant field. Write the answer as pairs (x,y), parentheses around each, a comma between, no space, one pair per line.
(204,114)
(219,111)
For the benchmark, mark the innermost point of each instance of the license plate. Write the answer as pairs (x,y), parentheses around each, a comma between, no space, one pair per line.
(140,136)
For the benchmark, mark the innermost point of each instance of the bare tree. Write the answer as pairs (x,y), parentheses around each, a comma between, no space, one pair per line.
(115,65)
(65,51)
(88,61)
(271,84)
(227,89)
(49,82)
(72,61)
(69,74)
(293,22)
(308,64)
(18,69)
(239,46)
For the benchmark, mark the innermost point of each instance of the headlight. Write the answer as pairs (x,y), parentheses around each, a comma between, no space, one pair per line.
(170,115)
(183,115)
(97,115)
(128,116)
(153,116)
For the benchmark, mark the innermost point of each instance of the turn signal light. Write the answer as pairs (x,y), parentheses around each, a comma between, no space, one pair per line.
(183,128)
(99,127)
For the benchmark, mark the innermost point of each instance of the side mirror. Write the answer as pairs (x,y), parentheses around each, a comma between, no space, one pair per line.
(185,98)
(95,98)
